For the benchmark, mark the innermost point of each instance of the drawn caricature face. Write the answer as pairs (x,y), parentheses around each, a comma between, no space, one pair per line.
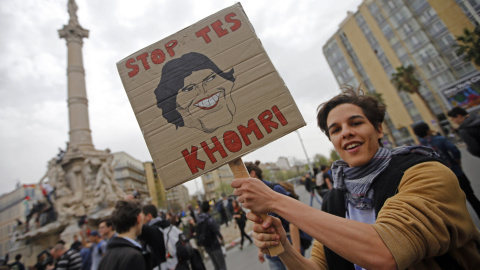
(205,101)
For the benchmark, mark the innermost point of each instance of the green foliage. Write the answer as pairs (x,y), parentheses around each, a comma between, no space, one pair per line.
(405,80)
(378,96)
(320,160)
(469,45)
(334,155)
(284,175)
(223,188)
(267,174)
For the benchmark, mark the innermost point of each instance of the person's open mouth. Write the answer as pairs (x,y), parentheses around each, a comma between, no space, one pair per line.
(208,103)
(352,146)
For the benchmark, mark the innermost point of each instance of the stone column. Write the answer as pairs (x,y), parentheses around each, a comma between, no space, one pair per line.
(80,133)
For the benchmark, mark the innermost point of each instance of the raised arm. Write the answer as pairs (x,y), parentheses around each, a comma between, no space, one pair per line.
(355,241)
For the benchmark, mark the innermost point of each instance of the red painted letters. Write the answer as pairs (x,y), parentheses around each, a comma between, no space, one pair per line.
(233,140)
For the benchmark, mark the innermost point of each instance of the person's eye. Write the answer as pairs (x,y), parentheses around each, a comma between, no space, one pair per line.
(334,130)
(357,123)
(188,88)
(209,79)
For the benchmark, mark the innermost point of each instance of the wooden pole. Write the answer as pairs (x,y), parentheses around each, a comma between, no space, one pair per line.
(239,171)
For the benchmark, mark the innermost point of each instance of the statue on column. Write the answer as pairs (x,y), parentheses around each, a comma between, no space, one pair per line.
(72,10)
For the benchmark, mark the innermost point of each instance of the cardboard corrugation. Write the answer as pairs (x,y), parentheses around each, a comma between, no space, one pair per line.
(257,96)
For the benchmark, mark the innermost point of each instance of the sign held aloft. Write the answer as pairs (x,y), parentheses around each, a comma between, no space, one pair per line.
(206,96)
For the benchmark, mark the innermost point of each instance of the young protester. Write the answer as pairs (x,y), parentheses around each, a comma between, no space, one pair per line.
(468,130)
(106,229)
(240,219)
(209,236)
(124,253)
(451,157)
(152,236)
(387,210)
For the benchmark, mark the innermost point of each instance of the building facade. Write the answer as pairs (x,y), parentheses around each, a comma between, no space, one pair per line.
(155,186)
(217,182)
(385,34)
(130,174)
(177,198)
(14,207)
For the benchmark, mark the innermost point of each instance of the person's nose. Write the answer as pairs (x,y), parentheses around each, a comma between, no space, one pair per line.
(347,132)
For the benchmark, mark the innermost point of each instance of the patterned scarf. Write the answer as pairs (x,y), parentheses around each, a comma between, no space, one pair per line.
(356,181)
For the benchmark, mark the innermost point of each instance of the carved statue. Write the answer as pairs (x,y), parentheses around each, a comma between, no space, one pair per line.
(72,10)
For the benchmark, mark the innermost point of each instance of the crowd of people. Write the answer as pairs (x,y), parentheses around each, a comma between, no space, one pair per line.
(403,208)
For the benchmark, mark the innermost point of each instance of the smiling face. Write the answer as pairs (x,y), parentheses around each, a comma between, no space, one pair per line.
(353,136)
(205,101)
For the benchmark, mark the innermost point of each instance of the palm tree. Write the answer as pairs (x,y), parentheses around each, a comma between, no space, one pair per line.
(469,45)
(380,99)
(405,80)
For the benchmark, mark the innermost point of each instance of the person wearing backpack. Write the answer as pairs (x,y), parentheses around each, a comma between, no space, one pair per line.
(468,130)
(152,237)
(451,157)
(209,236)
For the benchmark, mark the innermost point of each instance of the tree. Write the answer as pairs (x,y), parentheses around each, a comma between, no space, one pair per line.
(469,45)
(380,99)
(405,80)
(320,160)
(334,155)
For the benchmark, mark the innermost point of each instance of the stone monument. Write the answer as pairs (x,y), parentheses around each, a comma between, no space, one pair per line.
(81,176)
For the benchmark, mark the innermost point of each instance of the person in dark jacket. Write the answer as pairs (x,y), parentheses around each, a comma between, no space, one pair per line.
(468,130)
(212,236)
(451,157)
(151,236)
(123,252)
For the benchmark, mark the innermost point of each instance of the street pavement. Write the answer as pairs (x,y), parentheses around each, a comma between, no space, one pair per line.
(247,258)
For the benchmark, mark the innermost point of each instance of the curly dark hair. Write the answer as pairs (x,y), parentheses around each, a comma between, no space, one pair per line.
(373,110)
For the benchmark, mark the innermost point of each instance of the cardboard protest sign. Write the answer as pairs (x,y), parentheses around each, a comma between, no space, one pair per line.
(207,95)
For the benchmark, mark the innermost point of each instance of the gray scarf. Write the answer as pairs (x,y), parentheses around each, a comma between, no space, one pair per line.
(356,181)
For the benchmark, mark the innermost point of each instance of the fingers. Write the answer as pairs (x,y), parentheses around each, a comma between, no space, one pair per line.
(236,183)
(255,218)
(264,241)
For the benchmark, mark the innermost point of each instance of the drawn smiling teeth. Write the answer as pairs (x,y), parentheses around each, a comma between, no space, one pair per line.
(208,102)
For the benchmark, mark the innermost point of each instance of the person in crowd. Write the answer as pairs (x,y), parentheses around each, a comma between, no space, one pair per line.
(468,130)
(123,252)
(323,181)
(65,259)
(152,237)
(388,209)
(240,219)
(255,171)
(193,214)
(86,255)
(219,206)
(227,205)
(311,187)
(451,157)
(17,265)
(106,229)
(99,248)
(209,236)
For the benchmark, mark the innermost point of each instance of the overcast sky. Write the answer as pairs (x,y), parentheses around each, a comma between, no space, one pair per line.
(33,82)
